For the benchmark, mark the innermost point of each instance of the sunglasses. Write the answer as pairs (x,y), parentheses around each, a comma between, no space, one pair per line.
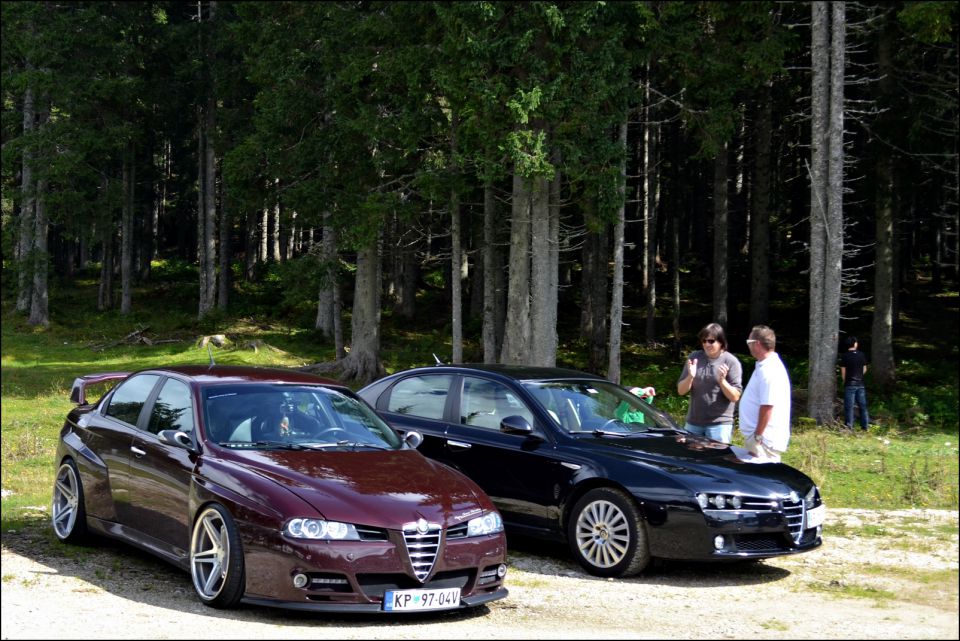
(709,341)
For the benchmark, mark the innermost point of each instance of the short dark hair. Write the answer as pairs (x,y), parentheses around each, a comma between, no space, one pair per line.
(765,336)
(713,330)
(851,341)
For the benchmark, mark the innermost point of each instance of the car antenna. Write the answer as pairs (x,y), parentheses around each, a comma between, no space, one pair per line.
(439,362)
(210,351)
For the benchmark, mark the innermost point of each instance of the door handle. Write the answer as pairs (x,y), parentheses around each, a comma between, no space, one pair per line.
(460,445)
(137,451)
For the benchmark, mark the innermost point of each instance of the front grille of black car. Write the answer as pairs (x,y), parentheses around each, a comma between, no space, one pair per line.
(375,585)
(793,511)
(759,542)
(422,547)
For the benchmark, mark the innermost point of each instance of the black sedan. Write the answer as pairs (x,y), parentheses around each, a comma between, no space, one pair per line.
(274,487)
(571,456)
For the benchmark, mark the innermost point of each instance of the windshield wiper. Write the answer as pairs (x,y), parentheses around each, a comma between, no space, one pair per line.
(280,445)
(357,444)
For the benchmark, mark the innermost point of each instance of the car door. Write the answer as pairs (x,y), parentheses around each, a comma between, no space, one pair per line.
(521,473)
(420,403)
(113,433)
(160,473)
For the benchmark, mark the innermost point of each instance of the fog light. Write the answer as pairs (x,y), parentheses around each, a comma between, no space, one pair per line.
(718,542)
(502,570)
(300,580)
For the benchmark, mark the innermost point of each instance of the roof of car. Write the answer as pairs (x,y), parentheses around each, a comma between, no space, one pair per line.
(522,372)
(208,374)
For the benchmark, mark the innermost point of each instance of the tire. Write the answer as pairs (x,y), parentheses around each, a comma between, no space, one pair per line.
(607,535)
(216,558)
(68,513)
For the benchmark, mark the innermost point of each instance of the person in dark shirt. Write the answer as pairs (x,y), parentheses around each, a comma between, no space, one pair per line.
(853,366)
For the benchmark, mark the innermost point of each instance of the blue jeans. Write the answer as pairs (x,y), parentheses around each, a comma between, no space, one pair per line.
(719,432)
(855,395)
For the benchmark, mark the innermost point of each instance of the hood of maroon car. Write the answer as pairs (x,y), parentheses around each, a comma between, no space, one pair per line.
(378,488)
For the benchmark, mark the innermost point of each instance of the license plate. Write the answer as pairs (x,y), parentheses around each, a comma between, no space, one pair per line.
(403,600)
(816,516)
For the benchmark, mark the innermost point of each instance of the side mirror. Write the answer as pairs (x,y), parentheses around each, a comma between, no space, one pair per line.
(515,424)
(412,439)
(178,438)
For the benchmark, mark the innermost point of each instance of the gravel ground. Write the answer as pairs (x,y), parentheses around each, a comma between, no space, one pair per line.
(879,575)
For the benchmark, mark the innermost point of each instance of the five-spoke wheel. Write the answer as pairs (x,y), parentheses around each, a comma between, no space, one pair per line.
(216,558)
(607,534)
(69,514)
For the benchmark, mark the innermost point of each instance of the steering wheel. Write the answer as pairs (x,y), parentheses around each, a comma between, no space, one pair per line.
(610,422)
(333,434)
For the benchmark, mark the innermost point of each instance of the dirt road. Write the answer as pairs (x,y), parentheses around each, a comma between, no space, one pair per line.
(880,575)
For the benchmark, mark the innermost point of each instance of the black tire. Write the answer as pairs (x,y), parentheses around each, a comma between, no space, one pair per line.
(216,558)
(607,534)
(68,513)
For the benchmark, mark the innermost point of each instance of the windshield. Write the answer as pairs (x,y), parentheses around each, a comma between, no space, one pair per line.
(268,416)
(597,406)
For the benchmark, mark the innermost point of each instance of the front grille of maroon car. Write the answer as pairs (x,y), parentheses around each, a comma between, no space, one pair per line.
(375,585)
(423,545)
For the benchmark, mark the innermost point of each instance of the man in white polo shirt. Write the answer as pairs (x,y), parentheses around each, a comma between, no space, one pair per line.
(765,404)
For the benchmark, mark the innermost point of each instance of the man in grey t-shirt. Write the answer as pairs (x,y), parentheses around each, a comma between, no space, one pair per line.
(714,379)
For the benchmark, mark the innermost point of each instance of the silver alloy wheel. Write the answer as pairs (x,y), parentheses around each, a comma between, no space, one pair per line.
(209,554)
(603,534)
(65,501)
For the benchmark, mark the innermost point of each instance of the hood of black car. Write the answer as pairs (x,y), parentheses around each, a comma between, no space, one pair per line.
(378,488)
(702,461)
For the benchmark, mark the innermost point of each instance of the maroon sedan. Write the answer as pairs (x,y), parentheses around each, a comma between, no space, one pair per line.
(274,487)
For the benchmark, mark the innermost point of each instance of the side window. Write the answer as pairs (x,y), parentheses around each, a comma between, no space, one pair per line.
(486,403)
(420,396)
(128,400)
(173,409)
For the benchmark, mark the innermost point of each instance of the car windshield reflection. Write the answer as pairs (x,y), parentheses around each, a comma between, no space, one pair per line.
(597,407)
(291,417)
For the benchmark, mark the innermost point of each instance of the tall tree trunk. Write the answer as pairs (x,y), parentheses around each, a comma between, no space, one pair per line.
(126,232)
(720,236)
(543,303)
(105,291)
(456,284)
(760,215)
(39,298)
(884,370)
(593,287)
(28,220)
(616,294)
(516,337)
(651,203)
(362,364)
(251,242)
(223,282)
(489,274)
(328,279)
(826,215)
(275,225)
(264,251)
